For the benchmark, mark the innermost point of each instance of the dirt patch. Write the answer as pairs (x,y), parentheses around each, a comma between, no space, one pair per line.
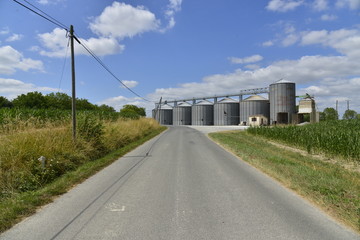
(352,166)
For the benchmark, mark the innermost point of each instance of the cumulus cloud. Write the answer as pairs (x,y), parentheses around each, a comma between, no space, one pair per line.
(11,88)
(328,17)
(352,4)
(129,83)
(283,5)
(121,20)
(14,37)
(55,44)
(173,7)
(320,5)
(11,60)
(250,59)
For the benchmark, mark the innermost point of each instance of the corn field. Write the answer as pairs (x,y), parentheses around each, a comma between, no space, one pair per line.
(334,138)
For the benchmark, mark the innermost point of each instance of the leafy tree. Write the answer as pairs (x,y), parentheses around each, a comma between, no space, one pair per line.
(106,108)
(350,114)
(59,101)
(31,100)
(139,110)
(84,104)
(4,103)
(329,114)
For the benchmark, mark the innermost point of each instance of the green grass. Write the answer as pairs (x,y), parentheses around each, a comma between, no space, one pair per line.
(332,187)
(22,204)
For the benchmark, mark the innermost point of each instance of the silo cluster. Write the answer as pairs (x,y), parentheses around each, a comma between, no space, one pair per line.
(279,108)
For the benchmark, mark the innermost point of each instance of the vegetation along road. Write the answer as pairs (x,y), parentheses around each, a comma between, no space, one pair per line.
(179,185)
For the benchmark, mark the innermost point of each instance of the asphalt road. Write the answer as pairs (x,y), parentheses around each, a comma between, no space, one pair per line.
(186,187)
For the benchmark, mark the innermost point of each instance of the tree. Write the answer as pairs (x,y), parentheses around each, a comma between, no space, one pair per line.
(4,103)
(59,101)
(31,100)
(84,104)
(350,114)
(329,114)
(106,108)
(138,110)
(132,111)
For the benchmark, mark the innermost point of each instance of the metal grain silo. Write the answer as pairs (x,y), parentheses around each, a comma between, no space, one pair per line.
(282,102)
(202,113)
(226,112)
(164,114)
(254,105)
(182,114)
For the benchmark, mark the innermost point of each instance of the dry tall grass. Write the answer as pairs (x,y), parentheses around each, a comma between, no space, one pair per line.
(20,149)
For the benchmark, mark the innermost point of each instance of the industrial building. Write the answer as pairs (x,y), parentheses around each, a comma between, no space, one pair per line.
(232,109)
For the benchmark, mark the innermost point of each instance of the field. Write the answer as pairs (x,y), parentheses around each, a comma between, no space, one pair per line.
(333,138)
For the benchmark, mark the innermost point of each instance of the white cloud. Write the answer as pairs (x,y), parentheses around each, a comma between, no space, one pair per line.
(11,88)
(47,2)
(345,41)
(352,4)
(121,20)
(283,5)
(268,43)
(11,60)
(250,59)
(55,44)
(14,37)
(320,5)
(173,7)
(290,40)
(4,31)
(129,83)
(328,17)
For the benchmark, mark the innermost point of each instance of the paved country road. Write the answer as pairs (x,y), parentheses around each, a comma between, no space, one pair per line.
(179,185)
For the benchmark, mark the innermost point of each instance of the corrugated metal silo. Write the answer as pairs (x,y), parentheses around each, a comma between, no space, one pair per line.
(202,113)
(254,105)
(282,102)
(182,114)
(226,112)
(164,114)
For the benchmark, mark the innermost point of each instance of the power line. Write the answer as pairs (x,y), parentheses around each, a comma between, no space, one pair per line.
(108,70)
(61,25)
(63,67)
(58,22)
(47,17)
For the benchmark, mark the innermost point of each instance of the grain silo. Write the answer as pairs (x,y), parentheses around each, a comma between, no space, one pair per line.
(164,114)
(202,113)
(182,114)
(254,105)
(226,112)
(282,102)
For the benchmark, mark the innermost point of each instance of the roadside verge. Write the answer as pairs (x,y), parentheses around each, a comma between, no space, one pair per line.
(331,187)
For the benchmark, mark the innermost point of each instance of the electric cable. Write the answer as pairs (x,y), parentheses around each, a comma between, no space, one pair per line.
(107,69)
(61,25)
(63,67)
(53,20)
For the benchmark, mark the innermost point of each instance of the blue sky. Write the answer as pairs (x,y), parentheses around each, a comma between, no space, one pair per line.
(182,49)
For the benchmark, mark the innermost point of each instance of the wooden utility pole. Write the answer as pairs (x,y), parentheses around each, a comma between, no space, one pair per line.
(73,105)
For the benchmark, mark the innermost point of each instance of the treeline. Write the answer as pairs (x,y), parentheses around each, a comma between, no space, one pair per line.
(32,102)
(61,101)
